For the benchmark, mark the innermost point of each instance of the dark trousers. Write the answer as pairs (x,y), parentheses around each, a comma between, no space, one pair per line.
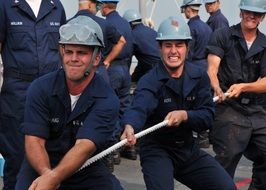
(12,151)
(96,177)
(13,95)
(188,165)
(102,71)
(235,134)
(120,81)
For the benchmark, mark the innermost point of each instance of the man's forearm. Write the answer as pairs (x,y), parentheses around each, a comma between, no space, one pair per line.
(74,159)
(117,48)
(213,66)
(36,154)
(257,87)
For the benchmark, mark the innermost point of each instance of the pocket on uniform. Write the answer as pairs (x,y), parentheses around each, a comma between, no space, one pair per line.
(18,40)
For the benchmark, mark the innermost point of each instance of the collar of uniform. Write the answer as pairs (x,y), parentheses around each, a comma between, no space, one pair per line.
(112,14)
(84,12)
(18,2)
(45,7)
(96,87)
(261,39)
(192,70)
(213,15)
(237,31)
(139,25)
(162,73)
(95,90)
(60,83)
(189,69)
(194,18)
(259,45)
(191,75)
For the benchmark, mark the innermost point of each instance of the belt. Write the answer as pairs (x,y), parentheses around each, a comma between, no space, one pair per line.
(245,101)
(19,75)
(250,101)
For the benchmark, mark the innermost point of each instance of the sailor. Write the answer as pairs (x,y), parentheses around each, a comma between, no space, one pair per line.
(237,65)
(29,48)
(217,19)
(146,49)
(113,40)
(70,115)
(201,34)
(180,92)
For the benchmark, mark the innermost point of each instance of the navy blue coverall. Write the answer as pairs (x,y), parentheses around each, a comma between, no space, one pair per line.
(48,115)
(29,50)
(146,50)
(239,125)
(111,37)
(217,20)
(201,34)
(171,152)
(119,68)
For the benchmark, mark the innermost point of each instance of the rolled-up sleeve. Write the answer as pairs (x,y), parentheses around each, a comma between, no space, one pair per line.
(36,116)
(217,42)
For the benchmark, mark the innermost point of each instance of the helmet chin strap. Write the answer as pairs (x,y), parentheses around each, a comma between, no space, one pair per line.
(88,71)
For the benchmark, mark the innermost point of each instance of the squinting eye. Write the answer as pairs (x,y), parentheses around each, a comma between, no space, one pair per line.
(168,45)
(68,52)
(83,53)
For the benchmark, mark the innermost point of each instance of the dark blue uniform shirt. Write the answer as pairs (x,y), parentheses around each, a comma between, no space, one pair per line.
(110,34)
(146,48)
(30,44)
(29,50)
(238,64)
(157,94)
(48,114)
(217,20)
(201,34)
(123,28)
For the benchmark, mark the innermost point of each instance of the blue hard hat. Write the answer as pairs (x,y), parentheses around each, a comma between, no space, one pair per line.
(81,30)
(258,6)
(174,28)
(209,1)
(131,15)
(109,1)
(191,3)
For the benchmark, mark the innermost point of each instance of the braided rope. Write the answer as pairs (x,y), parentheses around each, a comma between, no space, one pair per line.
(121,143)
(124,141)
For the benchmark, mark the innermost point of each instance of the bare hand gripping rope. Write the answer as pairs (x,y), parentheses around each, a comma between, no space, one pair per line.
(121,143)
(124,141)
(217,98)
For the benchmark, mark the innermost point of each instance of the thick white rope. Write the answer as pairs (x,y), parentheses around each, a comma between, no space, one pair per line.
(124,141)
(217,98)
